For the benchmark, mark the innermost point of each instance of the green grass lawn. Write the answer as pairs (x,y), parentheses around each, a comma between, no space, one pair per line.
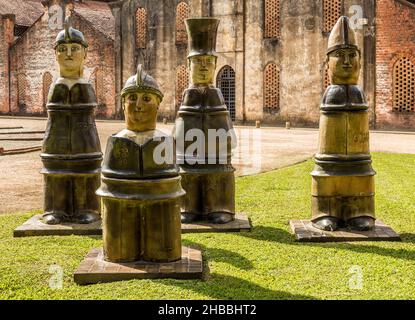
(264,264)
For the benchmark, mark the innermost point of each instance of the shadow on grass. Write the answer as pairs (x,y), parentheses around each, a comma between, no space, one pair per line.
(218,286)
(222,255)
(228,287)
(282,236)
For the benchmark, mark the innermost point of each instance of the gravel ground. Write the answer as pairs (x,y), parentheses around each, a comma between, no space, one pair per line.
(259,150)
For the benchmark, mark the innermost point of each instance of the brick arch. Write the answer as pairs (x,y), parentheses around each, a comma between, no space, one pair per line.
(403,84)
(332,10)
(141,28)
(46,83)
(182,82)
(272,20)
(271,85)
(182,13)
(21,91)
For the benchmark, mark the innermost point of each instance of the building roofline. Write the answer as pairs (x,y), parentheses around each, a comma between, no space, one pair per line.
(406,3)
(91,24)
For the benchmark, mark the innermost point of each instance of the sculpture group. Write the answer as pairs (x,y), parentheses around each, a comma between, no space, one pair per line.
(143,201)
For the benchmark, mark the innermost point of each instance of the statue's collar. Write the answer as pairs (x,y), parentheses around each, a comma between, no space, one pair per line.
(71,82)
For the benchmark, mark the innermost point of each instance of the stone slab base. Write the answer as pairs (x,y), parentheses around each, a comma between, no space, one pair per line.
(94,269)
(240,224)
(35,227)
(305,232)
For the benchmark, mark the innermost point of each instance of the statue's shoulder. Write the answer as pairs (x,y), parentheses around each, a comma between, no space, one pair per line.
(141,138)
(72,90)
(344,96)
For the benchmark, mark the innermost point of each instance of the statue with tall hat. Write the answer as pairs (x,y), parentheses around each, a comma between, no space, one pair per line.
(71,152)
(207,173)
(343,185)
(141,188)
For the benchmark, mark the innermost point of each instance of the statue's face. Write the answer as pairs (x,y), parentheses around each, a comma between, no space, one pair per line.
(344,66)
(140,110)
(71,57)
(202,69)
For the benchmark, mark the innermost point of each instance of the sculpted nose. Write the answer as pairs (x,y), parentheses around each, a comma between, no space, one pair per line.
(346,59)
(138,103)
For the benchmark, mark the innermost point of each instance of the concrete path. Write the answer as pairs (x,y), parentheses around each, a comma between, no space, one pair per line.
(259,150)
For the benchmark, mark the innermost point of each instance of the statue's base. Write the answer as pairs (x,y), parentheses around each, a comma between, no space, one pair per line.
(35,227)
(240,224)
(94,269)
(305,232)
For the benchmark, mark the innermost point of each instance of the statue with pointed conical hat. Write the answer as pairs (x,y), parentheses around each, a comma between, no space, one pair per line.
(140,194)
(71,152)
(207,174)
(343,185)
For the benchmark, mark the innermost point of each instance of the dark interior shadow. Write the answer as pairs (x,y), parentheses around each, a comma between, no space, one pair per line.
(282,236)
(222,255)
(232,288)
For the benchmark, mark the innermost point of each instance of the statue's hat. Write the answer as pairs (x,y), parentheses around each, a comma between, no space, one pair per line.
(202,36)
(70,35)
(342,36)
(141,81)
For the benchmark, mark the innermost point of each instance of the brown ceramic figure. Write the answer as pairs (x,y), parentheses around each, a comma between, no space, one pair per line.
(71,152)
(209,182)
(140,193)
(343,179)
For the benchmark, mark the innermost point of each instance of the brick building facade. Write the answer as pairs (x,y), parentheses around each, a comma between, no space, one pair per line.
(271,64)
(27,61)
(395,64)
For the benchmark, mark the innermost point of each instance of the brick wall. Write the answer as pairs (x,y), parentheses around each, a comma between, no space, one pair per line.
(395,38)
(32,56)
(6,38)
(100,59)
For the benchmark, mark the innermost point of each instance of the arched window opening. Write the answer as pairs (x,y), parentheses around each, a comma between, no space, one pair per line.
(332,10)
(404,86)
(326,79)
(182,13)
(272,18)
(182,82)
(141,28)
(47,82)
(21,92)
(271,88)
(226,84)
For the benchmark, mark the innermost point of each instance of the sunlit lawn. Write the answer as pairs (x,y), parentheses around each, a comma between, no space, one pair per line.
(264,264)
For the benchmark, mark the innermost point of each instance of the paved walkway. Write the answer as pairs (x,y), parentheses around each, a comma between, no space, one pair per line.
(259,150)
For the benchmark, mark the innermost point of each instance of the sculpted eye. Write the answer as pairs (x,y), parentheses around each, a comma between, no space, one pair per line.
(146,98)
(132,97)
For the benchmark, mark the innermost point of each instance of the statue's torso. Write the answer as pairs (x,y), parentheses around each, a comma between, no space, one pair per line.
(344,122)
(134,155)
(204,109)
(71,131)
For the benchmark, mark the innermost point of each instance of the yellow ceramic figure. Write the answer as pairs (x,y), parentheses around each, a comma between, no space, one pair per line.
(343,185)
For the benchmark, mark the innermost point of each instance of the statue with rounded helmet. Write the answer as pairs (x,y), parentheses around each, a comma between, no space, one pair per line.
(140,187)
(71,152)
(343,178)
